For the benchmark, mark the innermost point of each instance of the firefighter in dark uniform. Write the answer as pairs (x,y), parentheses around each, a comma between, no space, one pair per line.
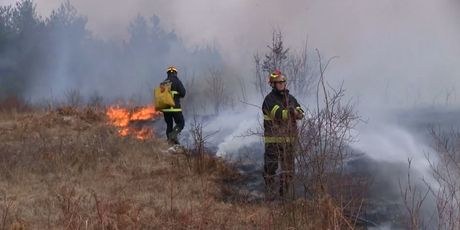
(174,114)
(281,112)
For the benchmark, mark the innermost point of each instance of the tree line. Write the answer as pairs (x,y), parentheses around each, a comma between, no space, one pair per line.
(49,56)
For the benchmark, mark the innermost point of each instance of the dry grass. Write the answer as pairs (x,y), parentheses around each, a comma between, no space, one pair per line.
(68,169)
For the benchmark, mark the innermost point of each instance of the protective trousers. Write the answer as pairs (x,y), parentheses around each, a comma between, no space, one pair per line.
(172,131)
(282,154)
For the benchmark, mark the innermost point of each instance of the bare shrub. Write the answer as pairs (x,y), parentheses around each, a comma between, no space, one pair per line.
(446,171)
(194,101)
(315,214)
(300,72)
(323,140)
(325,134)
(443,187)
(201,159)
(73,98)
(14,104)
(216,91)
(96,100)
(298,67)
(414,199)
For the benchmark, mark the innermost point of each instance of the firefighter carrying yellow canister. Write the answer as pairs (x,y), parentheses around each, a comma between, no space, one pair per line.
(174,113)
(281,112)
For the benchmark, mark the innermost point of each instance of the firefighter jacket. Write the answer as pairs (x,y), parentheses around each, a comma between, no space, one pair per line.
(177,91)
(279,120)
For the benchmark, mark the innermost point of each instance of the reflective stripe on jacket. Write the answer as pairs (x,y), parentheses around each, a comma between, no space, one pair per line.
(279,124)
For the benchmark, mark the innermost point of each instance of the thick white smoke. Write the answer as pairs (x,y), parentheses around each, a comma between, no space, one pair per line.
(392,54)
(392,143)
(398,53)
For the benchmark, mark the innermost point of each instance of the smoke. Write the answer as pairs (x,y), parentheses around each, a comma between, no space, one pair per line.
(44,57)
(392,143)
(392,54)
(238,132)
(396,53)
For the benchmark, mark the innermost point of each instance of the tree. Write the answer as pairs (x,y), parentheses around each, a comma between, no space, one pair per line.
(19,44)
(274,59)
(298,67)
(216,90)
(57,54)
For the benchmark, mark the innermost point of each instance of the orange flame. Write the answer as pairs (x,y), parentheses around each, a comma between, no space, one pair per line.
(123,118)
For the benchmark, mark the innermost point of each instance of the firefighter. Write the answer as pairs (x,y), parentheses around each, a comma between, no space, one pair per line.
(281,112)
(174,114)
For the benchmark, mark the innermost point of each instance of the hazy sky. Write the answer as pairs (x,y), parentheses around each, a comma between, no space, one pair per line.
(401,50)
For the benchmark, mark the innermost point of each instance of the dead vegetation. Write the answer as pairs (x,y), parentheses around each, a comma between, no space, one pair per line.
(68,169)
(433,202)
(337,200)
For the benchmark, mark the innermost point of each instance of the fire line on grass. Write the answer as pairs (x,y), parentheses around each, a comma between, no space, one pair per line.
(131,122)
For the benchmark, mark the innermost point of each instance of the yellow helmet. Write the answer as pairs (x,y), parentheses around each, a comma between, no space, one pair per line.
(277,76)
(171,69)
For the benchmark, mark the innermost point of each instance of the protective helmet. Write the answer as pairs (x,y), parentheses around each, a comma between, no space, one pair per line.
(171,69)
(277,76)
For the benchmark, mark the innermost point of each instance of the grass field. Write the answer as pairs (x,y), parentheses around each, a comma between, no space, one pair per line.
(68,168)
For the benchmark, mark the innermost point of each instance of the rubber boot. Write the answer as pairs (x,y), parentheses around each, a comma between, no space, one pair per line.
(173,136)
